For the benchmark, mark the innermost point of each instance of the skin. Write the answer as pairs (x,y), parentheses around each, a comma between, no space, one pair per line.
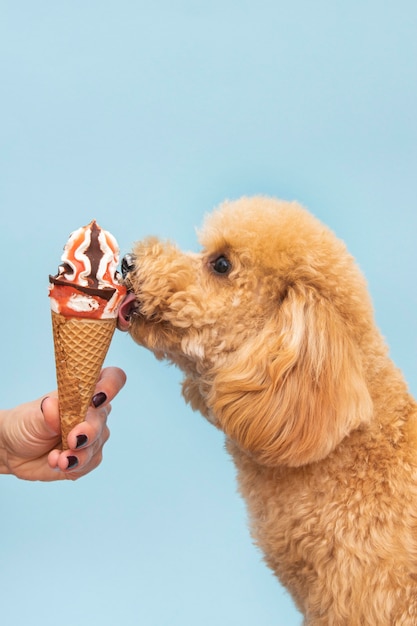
(30,434)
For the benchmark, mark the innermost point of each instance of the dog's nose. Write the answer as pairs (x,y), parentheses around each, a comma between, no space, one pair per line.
(128,264)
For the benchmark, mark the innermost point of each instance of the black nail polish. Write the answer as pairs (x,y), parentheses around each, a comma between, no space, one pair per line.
(99,399)
(81,441)
(72,462)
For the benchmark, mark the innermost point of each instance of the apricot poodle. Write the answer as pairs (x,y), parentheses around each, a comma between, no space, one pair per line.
(273,328)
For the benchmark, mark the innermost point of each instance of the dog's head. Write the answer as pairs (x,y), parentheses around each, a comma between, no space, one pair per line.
(266,323)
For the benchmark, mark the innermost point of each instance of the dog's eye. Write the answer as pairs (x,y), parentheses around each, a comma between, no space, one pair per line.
(221,265)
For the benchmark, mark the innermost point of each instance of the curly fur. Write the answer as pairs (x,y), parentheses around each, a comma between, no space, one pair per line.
(282,354)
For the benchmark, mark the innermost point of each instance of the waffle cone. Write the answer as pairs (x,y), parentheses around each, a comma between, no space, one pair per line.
(81,345)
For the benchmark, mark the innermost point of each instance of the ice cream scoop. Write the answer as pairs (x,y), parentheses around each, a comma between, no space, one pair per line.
(87,283)
(85,296)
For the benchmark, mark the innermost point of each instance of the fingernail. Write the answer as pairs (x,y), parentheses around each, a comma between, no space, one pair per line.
(99,399)
(72,462)
(81,441)
(43,400)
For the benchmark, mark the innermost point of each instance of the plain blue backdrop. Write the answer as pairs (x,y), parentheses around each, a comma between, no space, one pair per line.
(145,115)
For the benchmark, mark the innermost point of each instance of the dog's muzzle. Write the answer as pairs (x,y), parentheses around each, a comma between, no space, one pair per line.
(129,304)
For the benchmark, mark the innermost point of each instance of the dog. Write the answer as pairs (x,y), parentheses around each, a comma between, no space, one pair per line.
(273,328)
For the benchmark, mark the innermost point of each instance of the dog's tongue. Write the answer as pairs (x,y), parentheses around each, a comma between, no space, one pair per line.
(126,308)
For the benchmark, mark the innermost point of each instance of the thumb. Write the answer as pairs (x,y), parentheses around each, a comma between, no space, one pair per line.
(50,412)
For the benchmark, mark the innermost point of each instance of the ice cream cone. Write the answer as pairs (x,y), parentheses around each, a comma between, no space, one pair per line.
(81,345)
(85,295)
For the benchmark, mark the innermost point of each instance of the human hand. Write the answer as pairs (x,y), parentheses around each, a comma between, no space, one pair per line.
(29,434)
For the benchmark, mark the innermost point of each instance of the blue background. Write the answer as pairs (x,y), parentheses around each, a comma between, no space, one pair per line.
(145,115)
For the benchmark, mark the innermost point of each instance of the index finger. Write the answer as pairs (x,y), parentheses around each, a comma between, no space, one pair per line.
(111,381)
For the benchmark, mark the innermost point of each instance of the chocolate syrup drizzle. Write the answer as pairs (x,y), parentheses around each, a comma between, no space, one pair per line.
(94,254)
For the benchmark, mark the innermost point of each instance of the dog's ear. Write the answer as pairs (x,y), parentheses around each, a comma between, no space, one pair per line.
(294,391)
